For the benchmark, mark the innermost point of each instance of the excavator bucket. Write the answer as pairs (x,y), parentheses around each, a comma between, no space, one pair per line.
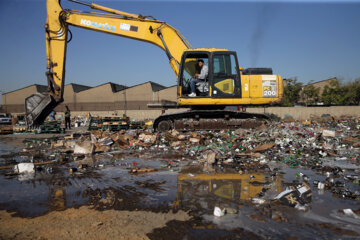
(37,107)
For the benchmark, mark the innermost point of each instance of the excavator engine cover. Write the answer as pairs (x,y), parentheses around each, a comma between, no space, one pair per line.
(37,107)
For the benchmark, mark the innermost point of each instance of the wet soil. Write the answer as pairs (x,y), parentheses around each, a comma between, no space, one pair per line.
(86,223)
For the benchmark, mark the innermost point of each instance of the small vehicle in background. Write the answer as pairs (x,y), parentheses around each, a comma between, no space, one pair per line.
(5,119)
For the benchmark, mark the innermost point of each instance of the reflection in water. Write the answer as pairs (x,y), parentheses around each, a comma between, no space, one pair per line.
(57,198)
(197,189)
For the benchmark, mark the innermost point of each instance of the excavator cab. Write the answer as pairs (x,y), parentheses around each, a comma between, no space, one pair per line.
(223,78)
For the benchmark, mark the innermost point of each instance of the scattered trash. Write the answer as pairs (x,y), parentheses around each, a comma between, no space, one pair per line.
(231,210)
(194,140)
(72,170)
(175,144)
(218,212)
(263,147)
(293,196)
(210,159)
(24,168)
(84,148)
(258,201)
(349,212)
(106,141)
(300,207)
(328,133)
(149,123)
(142,170)
(147,138)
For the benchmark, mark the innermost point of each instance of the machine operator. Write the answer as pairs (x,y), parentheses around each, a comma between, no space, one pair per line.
(204,70)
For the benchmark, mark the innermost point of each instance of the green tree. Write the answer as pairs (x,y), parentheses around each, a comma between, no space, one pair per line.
(353,92)
(291,92)
(326,95)
(312,94)
(336,93)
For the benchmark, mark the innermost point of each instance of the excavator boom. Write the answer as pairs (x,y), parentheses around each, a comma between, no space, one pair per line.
(111,21)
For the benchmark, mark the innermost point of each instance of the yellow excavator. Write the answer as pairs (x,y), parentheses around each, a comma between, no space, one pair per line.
(227,84)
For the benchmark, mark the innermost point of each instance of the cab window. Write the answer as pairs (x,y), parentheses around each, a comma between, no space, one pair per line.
(225,74)
(190,68)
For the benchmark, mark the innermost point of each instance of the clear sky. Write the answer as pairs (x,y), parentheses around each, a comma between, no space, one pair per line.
(309,40)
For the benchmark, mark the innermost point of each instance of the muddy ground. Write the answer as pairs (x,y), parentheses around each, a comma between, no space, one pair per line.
(96,197)
(86,223)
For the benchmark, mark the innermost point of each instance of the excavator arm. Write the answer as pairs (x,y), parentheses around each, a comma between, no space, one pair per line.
(111,21)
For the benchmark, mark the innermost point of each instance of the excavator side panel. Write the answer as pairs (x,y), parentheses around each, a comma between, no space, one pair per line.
(256,90)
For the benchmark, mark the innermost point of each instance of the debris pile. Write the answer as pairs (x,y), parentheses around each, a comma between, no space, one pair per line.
(296,197)
(109,123)
(6,129)
(315,145)
(50,127)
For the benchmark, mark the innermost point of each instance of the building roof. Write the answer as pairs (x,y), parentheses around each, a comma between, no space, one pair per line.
(167,88)
(333,78)
(78,88)
(114,87)
(39,88)
(156,87)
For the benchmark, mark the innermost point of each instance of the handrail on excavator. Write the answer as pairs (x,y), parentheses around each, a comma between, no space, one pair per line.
(109,10)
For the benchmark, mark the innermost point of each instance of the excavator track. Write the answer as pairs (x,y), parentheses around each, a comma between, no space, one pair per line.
(209,120)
